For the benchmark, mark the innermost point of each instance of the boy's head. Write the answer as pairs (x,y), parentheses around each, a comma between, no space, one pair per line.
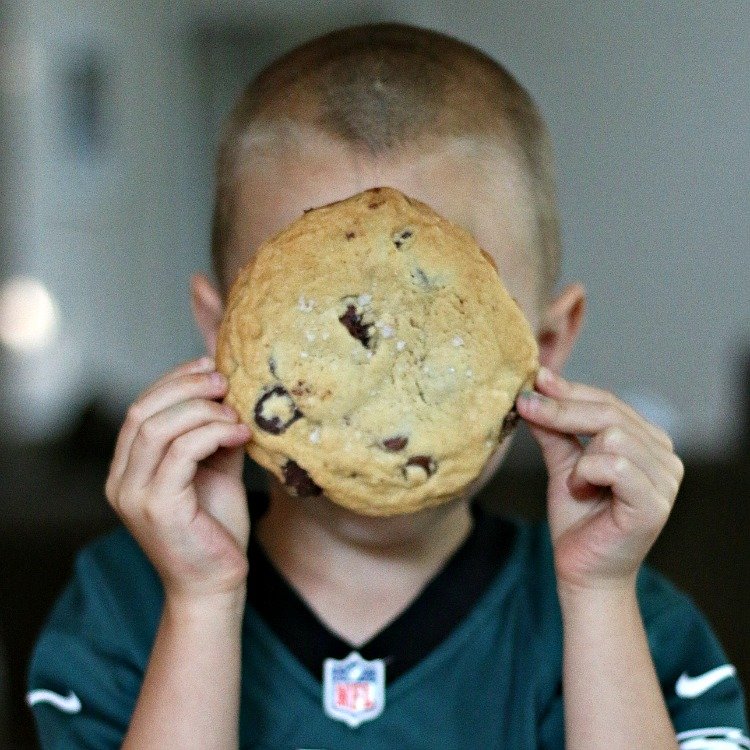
(389,101)
(395,105)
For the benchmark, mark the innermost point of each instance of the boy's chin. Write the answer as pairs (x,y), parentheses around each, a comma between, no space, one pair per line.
(369,530)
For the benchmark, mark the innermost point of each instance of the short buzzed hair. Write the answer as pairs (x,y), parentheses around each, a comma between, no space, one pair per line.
(382,87)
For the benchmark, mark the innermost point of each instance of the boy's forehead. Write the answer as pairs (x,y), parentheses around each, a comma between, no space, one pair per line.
(475,185)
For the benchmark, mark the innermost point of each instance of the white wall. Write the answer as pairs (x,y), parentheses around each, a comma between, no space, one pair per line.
(647,103)
(112,237)
(648,106)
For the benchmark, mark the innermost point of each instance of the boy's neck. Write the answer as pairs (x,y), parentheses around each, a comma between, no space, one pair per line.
(355,572)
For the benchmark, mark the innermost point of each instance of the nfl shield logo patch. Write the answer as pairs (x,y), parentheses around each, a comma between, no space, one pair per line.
(353,689)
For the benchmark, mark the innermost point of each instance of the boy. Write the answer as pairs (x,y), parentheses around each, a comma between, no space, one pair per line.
(441,629)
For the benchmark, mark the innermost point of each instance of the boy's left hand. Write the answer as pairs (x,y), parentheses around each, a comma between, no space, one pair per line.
(608,500)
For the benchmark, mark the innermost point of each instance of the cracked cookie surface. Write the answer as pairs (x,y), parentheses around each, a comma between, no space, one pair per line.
(376,354)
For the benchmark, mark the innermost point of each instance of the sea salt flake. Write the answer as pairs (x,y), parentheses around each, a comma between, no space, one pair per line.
(364,299)
(401,345)
(314,435)
(309,335)
(470,373)
(369,355)
(325,335)
(451,369)
(458,341)
(387,331)
(304,355)
(304,304)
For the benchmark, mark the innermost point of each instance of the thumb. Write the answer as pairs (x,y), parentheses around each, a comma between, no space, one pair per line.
(560,451)
(227,460)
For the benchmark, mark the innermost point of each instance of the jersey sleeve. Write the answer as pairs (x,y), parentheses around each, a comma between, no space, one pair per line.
(88,663)
(701,687)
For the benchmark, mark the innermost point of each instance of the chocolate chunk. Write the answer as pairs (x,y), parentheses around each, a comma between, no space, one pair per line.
(425,462)
(299,481)
(276,410)
(396,443)
(509,423)
(353,322)
(401,237)
(420,277)
(300,389)
(350,235)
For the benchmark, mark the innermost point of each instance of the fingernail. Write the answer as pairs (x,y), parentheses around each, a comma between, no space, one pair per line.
(218,378)
(545,375)
(206,363)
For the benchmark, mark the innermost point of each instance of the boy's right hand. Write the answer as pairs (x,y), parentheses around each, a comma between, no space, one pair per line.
(176,482)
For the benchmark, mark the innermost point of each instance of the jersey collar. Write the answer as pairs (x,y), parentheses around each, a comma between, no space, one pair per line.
(421,627)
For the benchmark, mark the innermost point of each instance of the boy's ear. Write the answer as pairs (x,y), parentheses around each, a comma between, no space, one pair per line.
(208,309)
(560,326)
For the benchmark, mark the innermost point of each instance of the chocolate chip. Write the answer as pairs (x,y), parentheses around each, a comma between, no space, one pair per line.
(509,423)
(350,235)
(353,322)
(396,443)
(420,277)
(300,389)
(276,410)
(375,204)
(299,481)
(425,462)
(400,237)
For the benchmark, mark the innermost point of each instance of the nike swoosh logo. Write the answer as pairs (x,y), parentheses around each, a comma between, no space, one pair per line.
(69,704)
(692,687)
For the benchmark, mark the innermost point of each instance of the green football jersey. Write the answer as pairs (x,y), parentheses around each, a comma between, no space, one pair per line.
(489,679)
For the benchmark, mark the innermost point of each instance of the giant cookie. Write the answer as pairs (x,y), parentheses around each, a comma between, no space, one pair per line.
(373,349)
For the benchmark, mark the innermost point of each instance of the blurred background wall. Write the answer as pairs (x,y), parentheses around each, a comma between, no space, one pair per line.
(114,111)
(110,113)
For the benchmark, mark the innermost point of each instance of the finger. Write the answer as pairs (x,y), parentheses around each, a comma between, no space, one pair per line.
(231,514)
(629,486)
(156,434)
(567,415)
(188,385)
(180,462)
(228,461)
(560,451)
(124,438)
(651,457)
(202,364)
(551,384)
